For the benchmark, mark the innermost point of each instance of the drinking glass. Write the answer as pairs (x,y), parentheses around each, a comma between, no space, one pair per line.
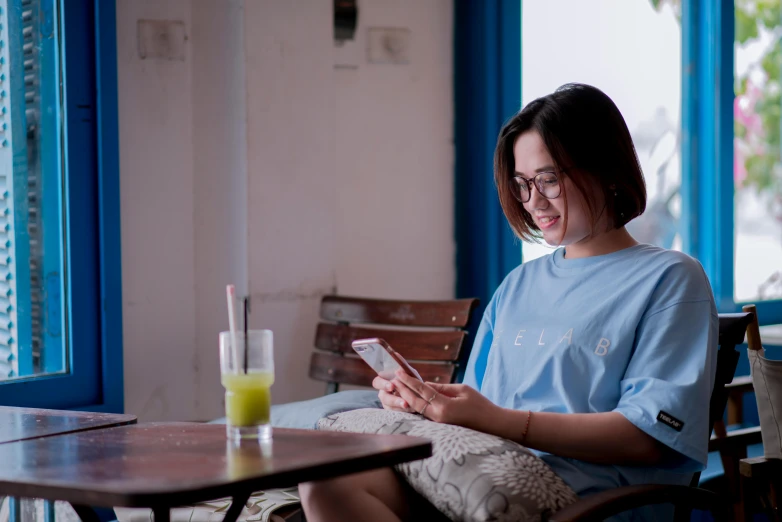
(247,374)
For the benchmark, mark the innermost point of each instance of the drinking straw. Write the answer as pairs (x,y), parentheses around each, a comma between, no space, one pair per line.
(230,291)
(246,340)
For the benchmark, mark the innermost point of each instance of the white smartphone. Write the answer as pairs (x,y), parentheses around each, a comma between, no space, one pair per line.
(379,355)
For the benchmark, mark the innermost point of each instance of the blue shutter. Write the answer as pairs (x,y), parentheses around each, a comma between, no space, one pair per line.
(19,185)
(28,212)
(48,341)
(8,353)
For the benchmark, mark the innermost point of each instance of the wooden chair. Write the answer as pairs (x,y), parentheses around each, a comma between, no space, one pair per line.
(732,329)
(732,445)
(429,334)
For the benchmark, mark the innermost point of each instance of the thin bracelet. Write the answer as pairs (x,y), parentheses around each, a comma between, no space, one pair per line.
(526,427)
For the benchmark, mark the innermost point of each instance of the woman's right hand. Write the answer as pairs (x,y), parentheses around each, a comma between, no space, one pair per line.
(389,396)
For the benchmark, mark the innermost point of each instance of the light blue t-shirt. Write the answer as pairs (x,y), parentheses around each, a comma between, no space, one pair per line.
(634,331)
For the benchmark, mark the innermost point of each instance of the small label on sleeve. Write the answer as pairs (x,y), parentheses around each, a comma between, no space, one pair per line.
(670,420)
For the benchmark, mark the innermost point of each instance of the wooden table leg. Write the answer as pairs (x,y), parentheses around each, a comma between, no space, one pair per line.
(239,501)
(86,513)
(162,514)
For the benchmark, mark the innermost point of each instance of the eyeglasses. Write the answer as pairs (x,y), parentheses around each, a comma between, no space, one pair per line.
(546,182)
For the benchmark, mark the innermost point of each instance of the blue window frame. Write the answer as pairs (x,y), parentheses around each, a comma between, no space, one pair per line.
(707,153)
(89,300)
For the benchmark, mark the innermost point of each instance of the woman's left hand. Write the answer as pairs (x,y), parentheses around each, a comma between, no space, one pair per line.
(449,403)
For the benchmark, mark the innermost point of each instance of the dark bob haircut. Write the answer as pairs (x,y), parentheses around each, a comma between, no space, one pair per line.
(589,142)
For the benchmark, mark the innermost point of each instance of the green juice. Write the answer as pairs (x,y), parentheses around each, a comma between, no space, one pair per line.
(248,399)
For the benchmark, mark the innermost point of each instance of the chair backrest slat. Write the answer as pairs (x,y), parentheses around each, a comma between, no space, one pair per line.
(454,313)
(413,345)
(352,370)
(732,330)
(429,334)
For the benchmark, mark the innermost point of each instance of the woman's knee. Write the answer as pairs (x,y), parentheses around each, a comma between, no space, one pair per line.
(315,492)
(309,491)
(381,484)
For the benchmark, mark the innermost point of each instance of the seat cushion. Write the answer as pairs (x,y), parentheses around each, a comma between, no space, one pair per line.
(471,476)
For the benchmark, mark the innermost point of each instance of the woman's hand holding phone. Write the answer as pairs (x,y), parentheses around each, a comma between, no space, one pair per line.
(400,388)
(389,397)
(449,403)
(379,355)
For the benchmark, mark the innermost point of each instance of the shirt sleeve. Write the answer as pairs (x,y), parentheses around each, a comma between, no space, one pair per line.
(666,388)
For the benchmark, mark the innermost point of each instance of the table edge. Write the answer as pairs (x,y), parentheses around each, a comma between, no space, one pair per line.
(185,496)
(130,420)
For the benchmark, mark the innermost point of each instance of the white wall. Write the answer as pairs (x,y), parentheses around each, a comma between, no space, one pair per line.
(156,195)
(256,162)
(220,172)
(395,159)
(292,185)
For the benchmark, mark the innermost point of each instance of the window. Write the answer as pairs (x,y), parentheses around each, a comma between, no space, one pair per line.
(642,76)
(60,334)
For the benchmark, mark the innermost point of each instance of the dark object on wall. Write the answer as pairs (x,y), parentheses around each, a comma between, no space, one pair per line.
(345,19)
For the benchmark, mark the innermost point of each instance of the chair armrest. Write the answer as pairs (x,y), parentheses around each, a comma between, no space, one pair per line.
(761,467)
(614,501)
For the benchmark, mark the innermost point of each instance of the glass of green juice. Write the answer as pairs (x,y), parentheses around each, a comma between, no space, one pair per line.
(247,376)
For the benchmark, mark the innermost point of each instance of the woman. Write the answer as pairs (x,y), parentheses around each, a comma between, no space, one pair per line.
(600,357)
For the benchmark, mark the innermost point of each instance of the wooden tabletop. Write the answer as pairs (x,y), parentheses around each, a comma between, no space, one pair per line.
(18,424)
(173,464)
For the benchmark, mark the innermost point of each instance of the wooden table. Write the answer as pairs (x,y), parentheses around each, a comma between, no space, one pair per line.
(17,424)
(164,465)
(761,483)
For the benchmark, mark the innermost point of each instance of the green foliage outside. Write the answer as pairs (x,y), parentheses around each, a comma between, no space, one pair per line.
(758,103)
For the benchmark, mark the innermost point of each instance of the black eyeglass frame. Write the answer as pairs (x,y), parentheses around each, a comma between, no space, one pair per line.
(517,180)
